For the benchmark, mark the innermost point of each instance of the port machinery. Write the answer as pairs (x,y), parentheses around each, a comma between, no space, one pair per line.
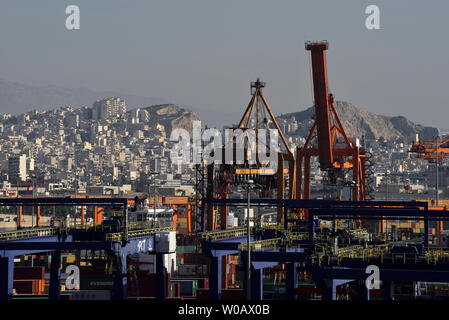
(432,151)
(116,237)
(327,260)
(221,179)
(323,257)
(327,257)
(334,154)
(301,246)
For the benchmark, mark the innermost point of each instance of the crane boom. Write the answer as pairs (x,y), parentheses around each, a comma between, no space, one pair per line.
(321,98)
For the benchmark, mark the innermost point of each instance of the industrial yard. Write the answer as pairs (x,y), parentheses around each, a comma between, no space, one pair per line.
(248,232)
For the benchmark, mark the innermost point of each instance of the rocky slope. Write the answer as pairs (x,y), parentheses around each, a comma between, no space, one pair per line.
(358,122)
(171,117)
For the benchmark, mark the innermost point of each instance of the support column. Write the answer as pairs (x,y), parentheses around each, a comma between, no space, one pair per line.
(6,277)
(38,222)
(19,218)
(328,288)
(210,194)
(203,216)
(355,174)
(161,277)
(280,185)
(291,179)
(82,215)
(418,288)
(426,230)
(95,214)
(256,284)
(55,276)
(387,290)
(291,281)
(224,272)
(299,156)
(120,277)
(189,218)
(363,178)
(285,218)
(223,213)
(215,278)
(311,230)
(363,290)
(306,183)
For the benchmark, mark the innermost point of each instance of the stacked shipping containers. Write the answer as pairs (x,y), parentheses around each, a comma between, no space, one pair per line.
(29,280)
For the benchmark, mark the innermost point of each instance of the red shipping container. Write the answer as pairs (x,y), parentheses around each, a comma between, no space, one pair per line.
(195,259)
(26,286)
(232,294)
(202,294)
(29,273)
(176,290)
(206,283)
(147,284)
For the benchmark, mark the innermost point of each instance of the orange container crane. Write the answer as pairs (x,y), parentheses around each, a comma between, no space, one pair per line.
(334,155)
(431,150)
(220,183)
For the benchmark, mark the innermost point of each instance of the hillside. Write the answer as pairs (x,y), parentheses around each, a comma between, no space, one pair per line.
(171,116)
(358,122)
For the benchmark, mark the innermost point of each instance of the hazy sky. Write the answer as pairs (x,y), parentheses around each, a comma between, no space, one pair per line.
(204,53)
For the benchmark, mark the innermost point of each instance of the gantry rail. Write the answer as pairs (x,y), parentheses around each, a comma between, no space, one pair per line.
(118,236)
(224,234)
(28,233)
(262,244)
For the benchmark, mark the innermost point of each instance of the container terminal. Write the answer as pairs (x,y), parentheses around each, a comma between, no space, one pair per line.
(275,240)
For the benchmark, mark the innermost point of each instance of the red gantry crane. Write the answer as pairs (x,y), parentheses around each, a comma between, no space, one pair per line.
(334,155)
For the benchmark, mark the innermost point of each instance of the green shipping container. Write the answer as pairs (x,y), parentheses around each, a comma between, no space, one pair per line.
(185,249)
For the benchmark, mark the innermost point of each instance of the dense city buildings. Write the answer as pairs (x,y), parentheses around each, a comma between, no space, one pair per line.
(107,108)
(80,148)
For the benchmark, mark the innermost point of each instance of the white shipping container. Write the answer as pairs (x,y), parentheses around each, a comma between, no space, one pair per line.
(165,241)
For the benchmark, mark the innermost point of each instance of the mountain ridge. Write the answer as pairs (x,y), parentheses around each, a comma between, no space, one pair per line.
(17,98)
(358,122)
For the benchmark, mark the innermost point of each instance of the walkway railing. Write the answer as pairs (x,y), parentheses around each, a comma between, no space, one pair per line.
(28,233)
(117,236)
(262,244)
(225,234)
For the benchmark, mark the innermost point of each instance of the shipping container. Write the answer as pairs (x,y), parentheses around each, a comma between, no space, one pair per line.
(90,294)
(232,294)
(186,249)
(26,286)
(195,258)
(29,273)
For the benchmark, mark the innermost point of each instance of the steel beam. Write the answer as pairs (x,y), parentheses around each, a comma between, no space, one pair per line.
(55,276)
(161,277)
(6,277)
(215,278)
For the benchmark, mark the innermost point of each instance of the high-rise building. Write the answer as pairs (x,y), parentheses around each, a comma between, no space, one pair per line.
(107,108)
(17,168)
